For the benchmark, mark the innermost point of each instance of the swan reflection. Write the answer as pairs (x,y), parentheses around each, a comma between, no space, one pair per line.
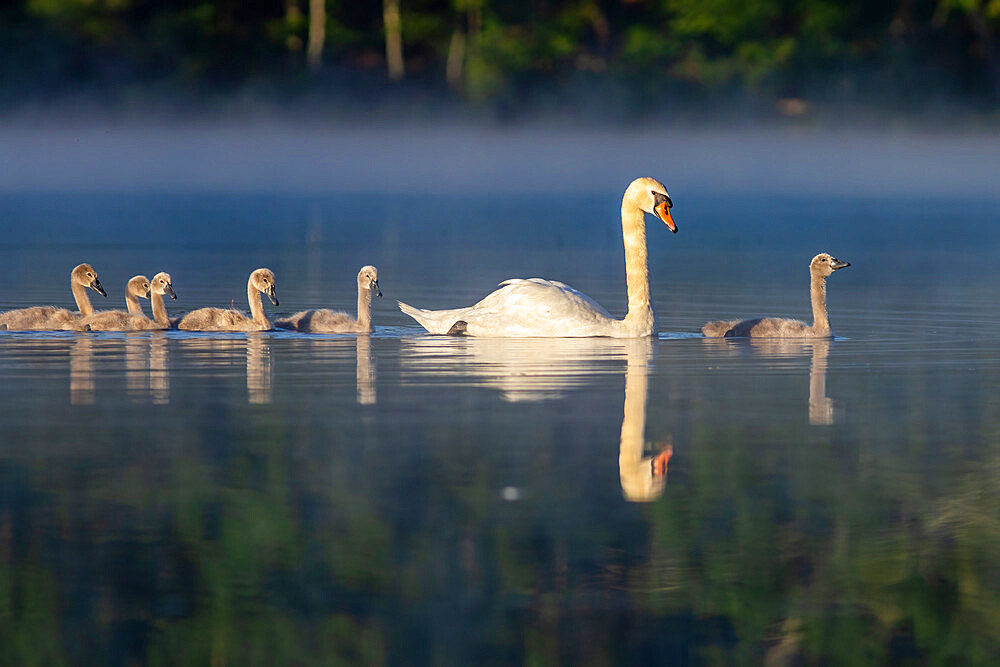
(539,369)
(643,478)
(822,410)
(522,369)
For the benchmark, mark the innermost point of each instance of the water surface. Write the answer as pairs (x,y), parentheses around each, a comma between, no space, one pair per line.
(288,498)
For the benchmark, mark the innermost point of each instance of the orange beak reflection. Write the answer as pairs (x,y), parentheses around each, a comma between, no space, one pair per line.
(663,213)
(661,460)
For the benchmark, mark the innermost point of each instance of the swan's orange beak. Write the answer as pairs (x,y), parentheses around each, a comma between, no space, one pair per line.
(663,213)
(661,460)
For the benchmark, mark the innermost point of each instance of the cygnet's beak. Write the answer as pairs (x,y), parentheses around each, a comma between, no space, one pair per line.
(837,264)
(96,286)
(663,213)
(146,295)
(170,291)
(272,295)
(378,291)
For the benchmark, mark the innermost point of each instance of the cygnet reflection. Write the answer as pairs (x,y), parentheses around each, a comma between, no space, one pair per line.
(146,367)
(539,369)
(822,410)
(258,369)
(159,375)
(365,370)
(81,371)
(335,350)
(222,351)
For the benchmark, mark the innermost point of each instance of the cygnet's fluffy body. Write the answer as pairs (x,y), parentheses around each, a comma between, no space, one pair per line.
(322,320)
(40,318)
(122,320)
(134,320)
(227,319)
(821,266)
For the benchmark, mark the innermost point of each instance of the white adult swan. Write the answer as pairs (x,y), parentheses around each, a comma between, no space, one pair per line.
(545,308)
(329,321)
(49,317)
(821,266)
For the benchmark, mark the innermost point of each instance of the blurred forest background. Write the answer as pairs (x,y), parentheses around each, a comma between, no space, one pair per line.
(593,57)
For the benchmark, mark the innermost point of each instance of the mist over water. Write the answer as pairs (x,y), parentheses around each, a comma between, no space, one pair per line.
(311,157)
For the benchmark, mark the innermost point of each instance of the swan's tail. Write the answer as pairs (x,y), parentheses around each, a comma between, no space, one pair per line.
(435,321)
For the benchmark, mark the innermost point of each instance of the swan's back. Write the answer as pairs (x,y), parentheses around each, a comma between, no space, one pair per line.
(118,320)
(219,319)
(764,327)
(38,318)
(523,307)
(320,321)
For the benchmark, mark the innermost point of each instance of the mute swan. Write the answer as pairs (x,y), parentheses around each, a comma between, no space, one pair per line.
(821,266)
(546,308)
(226,319)
(329,321)
(49,317)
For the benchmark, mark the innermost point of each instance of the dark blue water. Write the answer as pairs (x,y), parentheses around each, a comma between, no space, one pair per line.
(282,498)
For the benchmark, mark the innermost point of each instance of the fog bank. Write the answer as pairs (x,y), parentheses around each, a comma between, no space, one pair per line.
(288,158)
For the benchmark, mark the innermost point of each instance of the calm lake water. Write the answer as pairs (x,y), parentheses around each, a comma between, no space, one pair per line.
(282,498)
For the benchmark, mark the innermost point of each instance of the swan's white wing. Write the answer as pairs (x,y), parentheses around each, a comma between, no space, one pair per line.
(537,307)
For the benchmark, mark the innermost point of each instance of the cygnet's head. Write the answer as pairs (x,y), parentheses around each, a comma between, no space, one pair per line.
(824,264)
(368,279)
(85,275)
(651,196)
(263,281)
(162,284)
(138,287)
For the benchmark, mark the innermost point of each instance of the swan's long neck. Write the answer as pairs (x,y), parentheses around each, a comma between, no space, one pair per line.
(256,307)
(132,303)
(817,290)
(634,418)
(637,481)
(639,317)
(364,309)
(159,310)
(82,300)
